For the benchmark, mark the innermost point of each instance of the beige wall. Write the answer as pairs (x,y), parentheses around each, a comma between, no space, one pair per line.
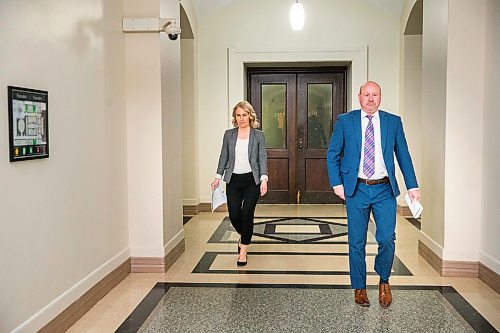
(144,134)
(154,133)
(434,73)
(464,123)
(490,250)
(190,164)
(170,56)
(63,219)
(330,26)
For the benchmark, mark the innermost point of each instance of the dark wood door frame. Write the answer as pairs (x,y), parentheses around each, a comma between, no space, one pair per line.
(295,158)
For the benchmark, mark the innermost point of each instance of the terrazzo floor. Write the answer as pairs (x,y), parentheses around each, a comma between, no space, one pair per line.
(296,280)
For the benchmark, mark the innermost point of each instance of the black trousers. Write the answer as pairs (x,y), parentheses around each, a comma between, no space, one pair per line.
(242,197)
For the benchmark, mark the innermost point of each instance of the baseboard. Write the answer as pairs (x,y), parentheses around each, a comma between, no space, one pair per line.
(157,264)
(460,268)
(433,259)
(448,267)
(488,276)
(404,211)
(207,207)
(172,257)
(190,210)
(75,311)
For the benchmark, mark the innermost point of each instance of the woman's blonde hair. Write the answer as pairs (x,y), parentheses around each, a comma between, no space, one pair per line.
(248,108)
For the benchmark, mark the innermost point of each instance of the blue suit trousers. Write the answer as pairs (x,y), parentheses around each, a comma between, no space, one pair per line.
(379,200)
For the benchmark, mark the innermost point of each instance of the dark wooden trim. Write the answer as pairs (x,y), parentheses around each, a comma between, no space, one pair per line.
(488,276)
(448,267)
(433,259)
(175,254)
(75,311)
(190,210)
(404,211)
(207,207)
(157,264)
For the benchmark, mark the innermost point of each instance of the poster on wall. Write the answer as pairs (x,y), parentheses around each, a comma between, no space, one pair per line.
(28,124)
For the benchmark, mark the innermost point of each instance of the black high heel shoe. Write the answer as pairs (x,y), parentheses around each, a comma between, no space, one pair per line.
(242,263)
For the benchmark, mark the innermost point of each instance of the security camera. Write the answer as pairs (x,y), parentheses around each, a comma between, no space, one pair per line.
(172,30)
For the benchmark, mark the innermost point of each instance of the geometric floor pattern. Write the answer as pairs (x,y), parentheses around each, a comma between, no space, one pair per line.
(296,280)
(291,230)
(303,230)
(172,307)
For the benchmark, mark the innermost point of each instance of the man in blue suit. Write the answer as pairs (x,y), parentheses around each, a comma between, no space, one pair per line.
(361,171)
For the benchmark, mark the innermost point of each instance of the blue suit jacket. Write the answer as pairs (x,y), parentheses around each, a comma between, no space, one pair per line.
(344,151)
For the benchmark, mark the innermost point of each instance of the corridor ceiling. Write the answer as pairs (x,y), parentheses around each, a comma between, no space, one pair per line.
(204,8)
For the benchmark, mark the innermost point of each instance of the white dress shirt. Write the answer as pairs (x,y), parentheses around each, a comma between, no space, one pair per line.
(380,169)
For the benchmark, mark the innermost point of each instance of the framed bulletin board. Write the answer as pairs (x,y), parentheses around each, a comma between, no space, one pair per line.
(28,124)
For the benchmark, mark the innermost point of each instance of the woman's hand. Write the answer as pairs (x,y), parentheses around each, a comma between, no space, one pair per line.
(215,183)
(263,188)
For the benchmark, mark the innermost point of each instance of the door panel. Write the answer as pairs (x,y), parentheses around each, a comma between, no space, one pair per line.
(320,100)
(297,110)
(273,98)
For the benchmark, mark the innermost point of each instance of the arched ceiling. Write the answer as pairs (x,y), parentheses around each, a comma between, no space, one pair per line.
(204,8)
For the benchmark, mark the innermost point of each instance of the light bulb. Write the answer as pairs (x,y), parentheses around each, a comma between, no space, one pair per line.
(297,16)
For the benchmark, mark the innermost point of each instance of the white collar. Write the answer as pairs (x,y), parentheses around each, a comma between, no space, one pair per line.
(364,114)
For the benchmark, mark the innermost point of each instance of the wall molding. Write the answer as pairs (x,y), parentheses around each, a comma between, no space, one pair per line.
(488,276)
(202,207)
(433,259)
(190,210)
(157,264)
(404,211)
(75,293)
(448,267)
(68,317)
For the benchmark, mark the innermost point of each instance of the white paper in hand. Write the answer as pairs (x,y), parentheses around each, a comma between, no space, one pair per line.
(218,198)
(415,206)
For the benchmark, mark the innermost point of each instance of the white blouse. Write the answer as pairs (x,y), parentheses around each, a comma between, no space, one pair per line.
(241,163)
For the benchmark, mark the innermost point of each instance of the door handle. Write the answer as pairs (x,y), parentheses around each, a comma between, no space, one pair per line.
(301,144)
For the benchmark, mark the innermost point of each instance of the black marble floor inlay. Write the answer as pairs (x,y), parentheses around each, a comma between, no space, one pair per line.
(190,307)
(415,222)
(329,230)
(185,219)
(205,263)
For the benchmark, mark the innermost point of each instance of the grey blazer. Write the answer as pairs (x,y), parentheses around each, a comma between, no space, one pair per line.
(257,155)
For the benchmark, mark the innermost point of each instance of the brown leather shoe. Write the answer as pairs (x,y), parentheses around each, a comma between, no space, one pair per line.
(384,295)
(361,298)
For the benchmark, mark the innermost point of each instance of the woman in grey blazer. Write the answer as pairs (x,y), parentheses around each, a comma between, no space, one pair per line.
(243,162)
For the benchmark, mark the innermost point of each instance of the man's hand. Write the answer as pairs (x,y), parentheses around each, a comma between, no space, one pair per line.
(414,195)
(339,190)
(263,188)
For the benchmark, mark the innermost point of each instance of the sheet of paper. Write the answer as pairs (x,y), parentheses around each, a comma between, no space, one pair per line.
(415,207)
(218,198)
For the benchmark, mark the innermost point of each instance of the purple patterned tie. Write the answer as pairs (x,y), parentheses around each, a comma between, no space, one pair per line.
(369,149)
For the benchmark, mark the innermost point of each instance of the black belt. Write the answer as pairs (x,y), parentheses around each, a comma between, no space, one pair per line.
(374,181)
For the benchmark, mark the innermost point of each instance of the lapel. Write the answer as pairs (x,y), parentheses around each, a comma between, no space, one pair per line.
(356,123)
(384,127)
(251,139)
(232,142)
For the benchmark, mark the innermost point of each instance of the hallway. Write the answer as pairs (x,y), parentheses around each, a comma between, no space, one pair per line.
(296,280)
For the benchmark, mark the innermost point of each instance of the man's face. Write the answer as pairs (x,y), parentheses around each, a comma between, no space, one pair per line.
(370,97)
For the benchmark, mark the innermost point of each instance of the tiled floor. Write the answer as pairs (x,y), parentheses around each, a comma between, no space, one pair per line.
(287,252)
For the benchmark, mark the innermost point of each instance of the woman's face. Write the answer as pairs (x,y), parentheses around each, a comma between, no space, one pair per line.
(242,118)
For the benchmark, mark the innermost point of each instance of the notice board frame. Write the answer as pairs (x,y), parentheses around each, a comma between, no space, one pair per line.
(28,123)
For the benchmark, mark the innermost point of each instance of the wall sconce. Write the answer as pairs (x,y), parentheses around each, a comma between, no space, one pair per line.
(168,25)
(297,16)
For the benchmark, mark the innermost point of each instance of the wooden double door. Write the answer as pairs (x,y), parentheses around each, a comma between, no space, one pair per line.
(297,110)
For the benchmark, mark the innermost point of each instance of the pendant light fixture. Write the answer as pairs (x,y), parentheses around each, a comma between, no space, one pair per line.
(297,16)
